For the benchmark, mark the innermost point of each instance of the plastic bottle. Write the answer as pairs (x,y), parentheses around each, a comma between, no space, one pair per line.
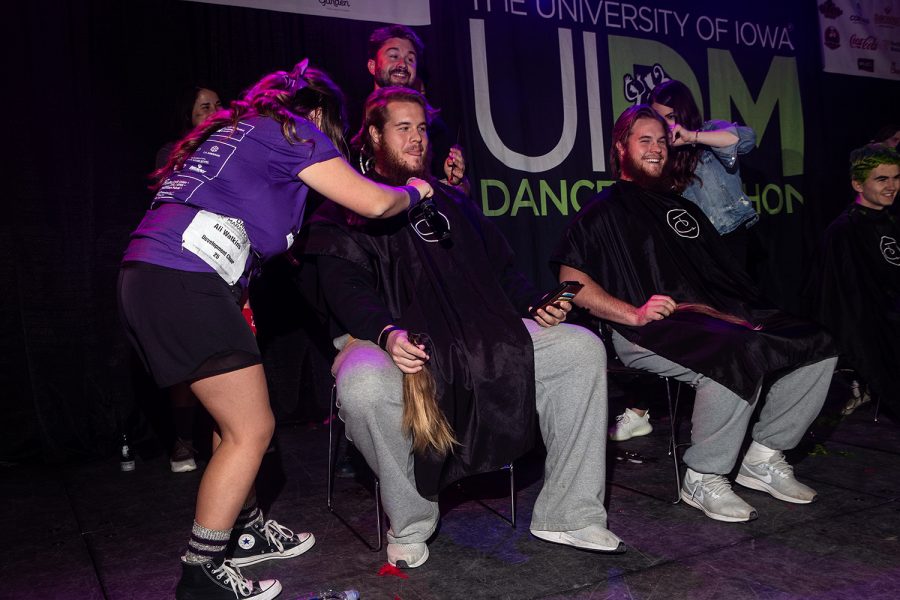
(126,458)
(332,595)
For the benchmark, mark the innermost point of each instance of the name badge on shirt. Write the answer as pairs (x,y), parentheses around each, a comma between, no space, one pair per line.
(221,242)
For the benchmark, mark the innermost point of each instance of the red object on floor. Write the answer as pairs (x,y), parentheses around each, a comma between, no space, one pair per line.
(389,569)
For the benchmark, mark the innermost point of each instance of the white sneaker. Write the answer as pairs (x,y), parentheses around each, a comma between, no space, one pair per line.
(592,537)
(630,424)
(776,477)
(713,495)
(407,556)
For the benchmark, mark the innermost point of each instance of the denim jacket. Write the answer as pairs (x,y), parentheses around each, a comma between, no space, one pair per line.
(721,196)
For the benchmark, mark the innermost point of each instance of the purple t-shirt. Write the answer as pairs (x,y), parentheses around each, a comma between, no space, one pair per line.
(249,174)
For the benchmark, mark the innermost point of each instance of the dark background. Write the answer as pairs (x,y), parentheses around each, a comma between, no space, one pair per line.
(93,87)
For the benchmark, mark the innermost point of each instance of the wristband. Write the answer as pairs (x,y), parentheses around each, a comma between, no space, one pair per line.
(414,196)
(383,336)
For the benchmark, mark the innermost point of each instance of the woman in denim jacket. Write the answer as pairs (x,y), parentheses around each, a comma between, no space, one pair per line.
(704,169)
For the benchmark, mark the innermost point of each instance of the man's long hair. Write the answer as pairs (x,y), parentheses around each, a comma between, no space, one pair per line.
(281,96)
(622,129)
(683,160)
(375,112)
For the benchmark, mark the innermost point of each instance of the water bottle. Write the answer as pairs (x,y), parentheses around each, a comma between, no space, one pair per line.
(332,595)
(126,458)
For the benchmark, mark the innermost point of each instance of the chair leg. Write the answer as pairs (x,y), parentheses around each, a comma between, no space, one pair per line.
(673,439)
(511,519)
(332,458)
(331,449)
(877,407)
(512,495)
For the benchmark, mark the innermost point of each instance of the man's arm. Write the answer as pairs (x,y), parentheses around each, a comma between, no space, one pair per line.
(604,305)
(354,301)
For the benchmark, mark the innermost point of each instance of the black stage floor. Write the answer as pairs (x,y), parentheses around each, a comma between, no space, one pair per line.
(89,531)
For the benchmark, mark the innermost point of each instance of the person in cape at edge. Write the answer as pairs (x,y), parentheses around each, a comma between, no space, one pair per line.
(494,366)
(679,305)
(855,287)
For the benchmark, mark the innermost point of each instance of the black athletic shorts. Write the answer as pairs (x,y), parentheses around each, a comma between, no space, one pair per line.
(184,325)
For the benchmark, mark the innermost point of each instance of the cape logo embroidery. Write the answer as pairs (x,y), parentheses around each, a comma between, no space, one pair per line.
(890,250)
(683,223)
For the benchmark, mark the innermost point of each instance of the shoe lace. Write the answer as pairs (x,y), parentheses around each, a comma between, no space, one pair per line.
(231,575)
(780,466)
(623,418)
(276,532)
(716,486)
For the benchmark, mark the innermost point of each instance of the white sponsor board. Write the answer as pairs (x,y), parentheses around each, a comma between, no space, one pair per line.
(406,12)
(860,37)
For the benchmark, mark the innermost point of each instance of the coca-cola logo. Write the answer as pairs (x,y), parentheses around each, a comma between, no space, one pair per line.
(832,38)
(863,43)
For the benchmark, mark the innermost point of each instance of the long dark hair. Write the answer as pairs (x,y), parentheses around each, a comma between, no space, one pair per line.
(281,96)
(682,160)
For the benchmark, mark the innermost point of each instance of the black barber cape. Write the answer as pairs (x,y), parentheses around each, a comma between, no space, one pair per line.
(636,243)
(855,293)
(465,294)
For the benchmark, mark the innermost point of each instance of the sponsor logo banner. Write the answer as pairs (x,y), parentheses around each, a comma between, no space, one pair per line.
(407,12)
(859,37)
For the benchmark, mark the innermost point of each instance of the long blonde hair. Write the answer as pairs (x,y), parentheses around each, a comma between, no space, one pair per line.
(423,419)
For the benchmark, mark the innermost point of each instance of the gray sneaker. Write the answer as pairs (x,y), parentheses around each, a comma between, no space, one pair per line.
(776,477)
(713,495)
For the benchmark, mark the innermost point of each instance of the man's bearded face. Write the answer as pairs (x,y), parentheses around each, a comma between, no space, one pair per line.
(395,64)
(643,156)
(401,148)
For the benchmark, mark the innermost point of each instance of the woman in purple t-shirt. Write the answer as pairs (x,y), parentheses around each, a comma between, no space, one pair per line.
(232,195)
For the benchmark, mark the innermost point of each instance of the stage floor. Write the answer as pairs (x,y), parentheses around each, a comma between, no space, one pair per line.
(89,531)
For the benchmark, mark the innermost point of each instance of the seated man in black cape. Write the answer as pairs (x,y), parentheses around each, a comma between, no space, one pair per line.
(445,271)
(681,306)
(855,288)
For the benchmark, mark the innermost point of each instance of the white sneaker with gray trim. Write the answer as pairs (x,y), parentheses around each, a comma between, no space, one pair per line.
(630,424)
(775,477)
(713,495)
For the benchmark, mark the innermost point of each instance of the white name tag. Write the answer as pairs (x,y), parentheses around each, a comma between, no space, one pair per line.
(221,242)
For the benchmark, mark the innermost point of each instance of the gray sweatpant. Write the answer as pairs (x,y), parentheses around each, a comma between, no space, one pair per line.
(570,377)
(720,417)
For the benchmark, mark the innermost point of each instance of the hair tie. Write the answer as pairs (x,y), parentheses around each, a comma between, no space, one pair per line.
(294,81)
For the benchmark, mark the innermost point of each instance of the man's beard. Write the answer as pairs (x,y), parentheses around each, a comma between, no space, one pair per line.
(634,170)
(384,79)
(390,165)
